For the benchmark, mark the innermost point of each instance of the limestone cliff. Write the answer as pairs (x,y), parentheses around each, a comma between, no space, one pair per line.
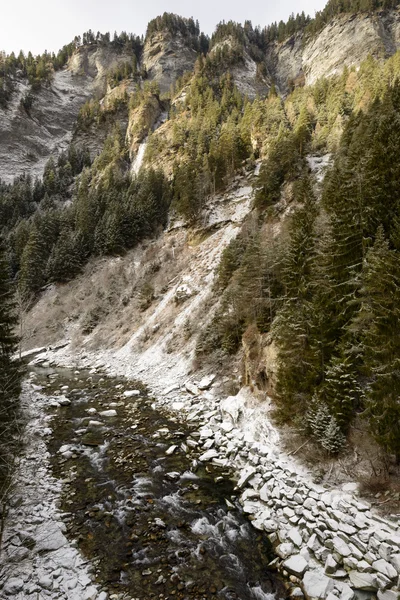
(167,57)
(28,138)
(346,41)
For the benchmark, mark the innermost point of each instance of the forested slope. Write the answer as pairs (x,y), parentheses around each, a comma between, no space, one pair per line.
(314,270)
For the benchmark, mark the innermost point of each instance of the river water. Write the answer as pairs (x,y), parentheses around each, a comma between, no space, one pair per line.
(154,521)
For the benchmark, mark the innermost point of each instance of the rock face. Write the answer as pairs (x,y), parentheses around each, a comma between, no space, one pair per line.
(28,140)
(244,72)
(346,41)
(166,58)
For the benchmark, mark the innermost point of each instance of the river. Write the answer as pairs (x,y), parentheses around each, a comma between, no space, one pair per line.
(153,520)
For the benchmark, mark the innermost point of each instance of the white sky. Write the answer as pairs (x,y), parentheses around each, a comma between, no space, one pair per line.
(39,25)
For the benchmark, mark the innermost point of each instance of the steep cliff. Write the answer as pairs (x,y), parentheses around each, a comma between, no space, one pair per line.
(346,41)
(167,57)
(29,137)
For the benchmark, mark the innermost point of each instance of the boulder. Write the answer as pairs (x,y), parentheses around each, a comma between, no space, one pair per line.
(63,401)
(45,582)
(296,565)
(232,407)
(395,560)
(316,585)
(245,475)
(206,382)
(382,566)
(131,393)
(388,595)
(284,550)
(210,454)
(330,565)
(13,586)
(295,537)
(363,581)
(191,388)
(341,547)
(108,413)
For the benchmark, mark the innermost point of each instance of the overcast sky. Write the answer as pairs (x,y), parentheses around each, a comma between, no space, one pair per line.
(39,25)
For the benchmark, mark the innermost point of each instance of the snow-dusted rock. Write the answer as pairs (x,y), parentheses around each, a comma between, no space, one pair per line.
(316,585)
(296,565)
(363,581)
(206,382)
(108,413)
(131,393)
(212,453)
(13,586)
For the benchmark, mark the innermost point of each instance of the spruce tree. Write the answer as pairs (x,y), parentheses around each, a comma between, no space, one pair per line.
(380,318)
(10,372)
(294,327)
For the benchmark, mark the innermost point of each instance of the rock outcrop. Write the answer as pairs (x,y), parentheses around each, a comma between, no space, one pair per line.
(29,138)
(167,57)
(346,41)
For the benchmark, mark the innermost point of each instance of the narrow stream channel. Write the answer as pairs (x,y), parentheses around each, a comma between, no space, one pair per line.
(153,520)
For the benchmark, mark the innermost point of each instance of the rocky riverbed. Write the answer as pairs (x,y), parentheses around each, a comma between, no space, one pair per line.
(328,543)
(115,498)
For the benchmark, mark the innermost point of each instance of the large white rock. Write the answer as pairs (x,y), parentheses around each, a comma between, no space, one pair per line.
(296,565)
(191,388)
(363,581)
(382,566)
(340,546)
(295,537)
(209,455)
(108,413)
(265,493)
(206,382)
(131,393)
(395,560)
(316,585)
(284,550)
(330,565)
(232,407)
(346,593)
(245,475)
(388,595)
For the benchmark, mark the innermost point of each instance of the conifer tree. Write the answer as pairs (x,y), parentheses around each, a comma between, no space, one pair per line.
(33,263)
(10,372)
(380,318)
(299,363)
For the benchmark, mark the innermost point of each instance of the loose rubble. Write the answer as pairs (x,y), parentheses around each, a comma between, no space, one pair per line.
(330,544)
(37,560)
